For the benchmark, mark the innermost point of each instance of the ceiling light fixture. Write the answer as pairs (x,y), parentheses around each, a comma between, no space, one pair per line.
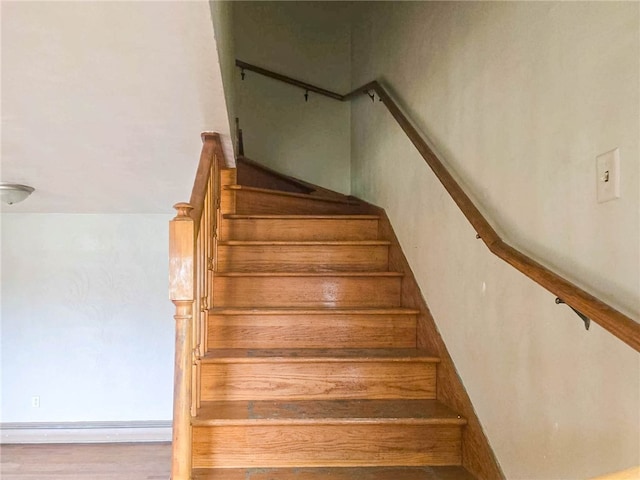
(11,193)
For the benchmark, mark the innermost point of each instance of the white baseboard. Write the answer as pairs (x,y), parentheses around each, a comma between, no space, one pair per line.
(86,432)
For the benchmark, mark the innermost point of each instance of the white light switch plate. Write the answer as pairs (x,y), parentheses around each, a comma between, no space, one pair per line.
(608,175)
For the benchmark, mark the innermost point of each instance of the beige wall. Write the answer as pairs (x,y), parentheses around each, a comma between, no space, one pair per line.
(519,98)
(103,103)
(86,324)
(309,41)
(222,18)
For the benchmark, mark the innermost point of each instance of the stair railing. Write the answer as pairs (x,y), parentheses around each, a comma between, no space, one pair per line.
(612,320)
(192,242)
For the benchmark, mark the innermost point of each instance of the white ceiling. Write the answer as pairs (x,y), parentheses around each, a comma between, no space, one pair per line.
(103,103)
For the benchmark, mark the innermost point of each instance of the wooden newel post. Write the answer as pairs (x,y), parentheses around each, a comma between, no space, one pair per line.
(182,291)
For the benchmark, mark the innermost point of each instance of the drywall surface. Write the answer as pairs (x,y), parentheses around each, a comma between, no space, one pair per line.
(519,98)
(222,17)
(309,41)
(103,103)
(86,321)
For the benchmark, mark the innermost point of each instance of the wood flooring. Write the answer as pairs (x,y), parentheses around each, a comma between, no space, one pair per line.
(98,461)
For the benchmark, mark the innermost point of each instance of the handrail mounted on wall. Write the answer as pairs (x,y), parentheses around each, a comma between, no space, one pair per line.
(612,320)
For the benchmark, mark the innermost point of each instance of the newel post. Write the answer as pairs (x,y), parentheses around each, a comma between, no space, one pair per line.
(182,291)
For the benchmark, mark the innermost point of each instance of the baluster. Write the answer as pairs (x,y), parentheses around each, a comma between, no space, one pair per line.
(210,251)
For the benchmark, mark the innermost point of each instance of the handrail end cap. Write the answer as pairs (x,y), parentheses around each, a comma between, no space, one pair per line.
(209,136)
(183,209)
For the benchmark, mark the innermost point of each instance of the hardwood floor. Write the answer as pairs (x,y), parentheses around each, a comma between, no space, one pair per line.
(122,461)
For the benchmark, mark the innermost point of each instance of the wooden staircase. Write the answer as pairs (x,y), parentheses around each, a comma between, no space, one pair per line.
(312,368)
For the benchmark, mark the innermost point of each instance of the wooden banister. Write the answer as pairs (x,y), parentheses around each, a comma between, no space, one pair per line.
(612,320)
(199,190)
(192,237)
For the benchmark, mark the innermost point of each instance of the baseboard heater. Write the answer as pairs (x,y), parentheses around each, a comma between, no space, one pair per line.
(86,432)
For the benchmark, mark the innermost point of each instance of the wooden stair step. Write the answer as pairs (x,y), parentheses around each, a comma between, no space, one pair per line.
(341,412)
(299,227)
(302,355)
(311,328)
(316,374)
(325,433)
(301,256)
(335,473)
(314,311)
(254,200)
(304,243)
(326,445)
(282,193)
(307,289)
(311,274)
(254,174)
(234,216)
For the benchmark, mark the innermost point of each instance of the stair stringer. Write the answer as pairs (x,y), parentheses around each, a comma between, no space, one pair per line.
(477,456)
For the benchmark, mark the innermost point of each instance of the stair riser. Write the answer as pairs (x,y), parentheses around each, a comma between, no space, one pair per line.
(301,258)
(324,291)
(420,472)
(257,203)
(312,331)
(318,380)
(253,175)
(292,230)
(326,445)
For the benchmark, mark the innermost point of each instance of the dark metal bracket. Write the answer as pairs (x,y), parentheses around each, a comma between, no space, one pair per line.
(585,319)
(372,95)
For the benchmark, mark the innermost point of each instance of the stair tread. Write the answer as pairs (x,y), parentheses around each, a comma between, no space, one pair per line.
(292,194)
(269,412)
(306,243)
(309,274)
(313,311)
(335,473)
(236,355)
(235,216)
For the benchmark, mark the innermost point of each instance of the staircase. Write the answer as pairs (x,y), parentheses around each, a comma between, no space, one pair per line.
(312,368)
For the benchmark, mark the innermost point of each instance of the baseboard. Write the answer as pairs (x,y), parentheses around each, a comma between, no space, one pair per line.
(86,432)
